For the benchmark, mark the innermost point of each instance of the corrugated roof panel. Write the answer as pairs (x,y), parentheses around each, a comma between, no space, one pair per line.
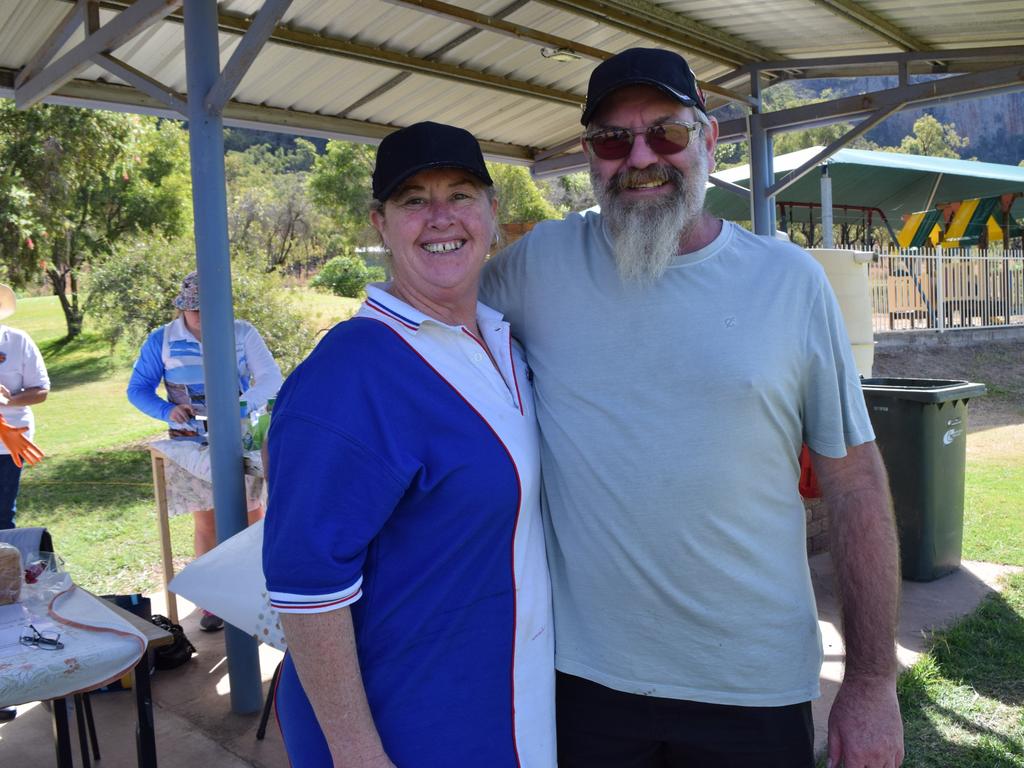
(541,125)
(487,114)
(294,77)
(953,23)
(283,79)
(158,52)
(792,28)
(387,25)
(24,25)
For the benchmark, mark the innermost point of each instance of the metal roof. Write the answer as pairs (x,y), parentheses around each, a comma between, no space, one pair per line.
(897,184)
(359,68)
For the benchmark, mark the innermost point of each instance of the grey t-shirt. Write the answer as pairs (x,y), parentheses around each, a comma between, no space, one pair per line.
(671,421)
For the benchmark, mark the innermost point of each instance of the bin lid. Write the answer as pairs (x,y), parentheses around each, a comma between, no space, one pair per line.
(923,390)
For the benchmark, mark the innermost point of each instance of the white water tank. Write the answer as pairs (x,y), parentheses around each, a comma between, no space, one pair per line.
(847,271)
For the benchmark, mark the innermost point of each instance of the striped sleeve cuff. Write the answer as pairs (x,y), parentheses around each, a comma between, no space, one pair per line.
(285,602)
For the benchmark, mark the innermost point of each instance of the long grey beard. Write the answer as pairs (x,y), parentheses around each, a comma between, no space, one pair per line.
(646,235)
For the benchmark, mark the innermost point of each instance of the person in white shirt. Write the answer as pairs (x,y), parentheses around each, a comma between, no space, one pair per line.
(23,383)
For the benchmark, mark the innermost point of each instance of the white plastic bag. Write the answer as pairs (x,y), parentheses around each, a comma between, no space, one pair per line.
(228,581)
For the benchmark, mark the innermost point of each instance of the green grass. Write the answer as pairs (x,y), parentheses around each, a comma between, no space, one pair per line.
(86,409)
(994,511)
(41,318)
(962,702)
(100,510)
(324,309)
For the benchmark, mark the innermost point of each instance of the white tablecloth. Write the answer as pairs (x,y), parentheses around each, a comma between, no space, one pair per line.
(188,476)
(99,647)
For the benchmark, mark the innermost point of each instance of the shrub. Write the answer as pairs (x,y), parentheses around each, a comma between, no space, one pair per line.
(130,294)
(346,275)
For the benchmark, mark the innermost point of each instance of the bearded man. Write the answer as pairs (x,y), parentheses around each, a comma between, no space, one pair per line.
(679,364)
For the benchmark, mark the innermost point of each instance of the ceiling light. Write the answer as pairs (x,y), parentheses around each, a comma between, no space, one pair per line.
(560,54)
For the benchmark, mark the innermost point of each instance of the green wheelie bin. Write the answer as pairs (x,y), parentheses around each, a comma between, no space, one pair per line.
(921,430)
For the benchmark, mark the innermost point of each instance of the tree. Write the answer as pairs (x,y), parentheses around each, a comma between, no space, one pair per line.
(269,207)
(130,294)
(76,182)
(568,193)
(519,198)
(339,185)
(347,275)
(933,139)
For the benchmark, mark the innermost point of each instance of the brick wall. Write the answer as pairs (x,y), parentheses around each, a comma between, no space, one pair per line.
(817,526)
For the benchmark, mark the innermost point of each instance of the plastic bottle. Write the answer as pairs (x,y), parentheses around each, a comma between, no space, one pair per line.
(243,408)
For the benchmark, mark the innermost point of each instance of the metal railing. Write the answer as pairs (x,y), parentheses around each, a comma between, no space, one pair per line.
(946,289)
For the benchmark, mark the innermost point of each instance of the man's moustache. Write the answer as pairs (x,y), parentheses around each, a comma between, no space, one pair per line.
(658,174)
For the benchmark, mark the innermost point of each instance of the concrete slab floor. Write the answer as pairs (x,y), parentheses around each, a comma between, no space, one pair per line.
(195,727)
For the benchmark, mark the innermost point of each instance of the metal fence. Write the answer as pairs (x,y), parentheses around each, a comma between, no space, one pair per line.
(946,289)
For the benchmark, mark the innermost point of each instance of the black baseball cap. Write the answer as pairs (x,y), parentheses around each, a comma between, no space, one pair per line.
(418,147)
(665,70)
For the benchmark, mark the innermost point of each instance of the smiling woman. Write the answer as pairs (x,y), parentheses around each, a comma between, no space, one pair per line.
(403,545)
(437,227)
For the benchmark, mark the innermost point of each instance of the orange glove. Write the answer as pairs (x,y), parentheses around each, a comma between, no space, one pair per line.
(808,480)
(21,448)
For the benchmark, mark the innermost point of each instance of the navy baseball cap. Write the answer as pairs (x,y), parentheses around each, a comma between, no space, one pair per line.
(421,146)
(665,70)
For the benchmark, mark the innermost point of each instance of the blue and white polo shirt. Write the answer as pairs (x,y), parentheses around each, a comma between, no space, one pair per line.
(404,482)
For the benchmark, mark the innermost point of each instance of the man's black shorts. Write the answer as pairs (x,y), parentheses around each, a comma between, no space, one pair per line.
(602,728)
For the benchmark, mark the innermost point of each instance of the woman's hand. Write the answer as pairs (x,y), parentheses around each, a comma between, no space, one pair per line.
(323,649)
(182,413)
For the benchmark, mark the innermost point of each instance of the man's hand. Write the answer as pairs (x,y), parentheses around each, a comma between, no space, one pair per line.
(864,727)
(181,413)
(865,730)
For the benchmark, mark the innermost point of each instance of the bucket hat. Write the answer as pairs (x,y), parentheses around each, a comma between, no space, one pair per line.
(188,296)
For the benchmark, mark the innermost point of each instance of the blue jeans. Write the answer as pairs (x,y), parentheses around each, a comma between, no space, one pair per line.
(10,480)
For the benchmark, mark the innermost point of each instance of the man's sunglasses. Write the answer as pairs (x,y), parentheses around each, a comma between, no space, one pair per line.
(663,138)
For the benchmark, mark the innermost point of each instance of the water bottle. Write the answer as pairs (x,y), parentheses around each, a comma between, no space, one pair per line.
(243,408)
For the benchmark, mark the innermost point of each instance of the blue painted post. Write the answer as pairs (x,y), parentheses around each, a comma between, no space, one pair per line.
(769,160)
(760,180)
(209,201)
(760,166)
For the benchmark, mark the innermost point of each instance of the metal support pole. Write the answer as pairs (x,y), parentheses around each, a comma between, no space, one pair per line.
(827,241)
(209,202)
(760,167)
(940,292)
(769,169)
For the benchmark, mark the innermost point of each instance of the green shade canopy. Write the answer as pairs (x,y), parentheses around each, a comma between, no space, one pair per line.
(897,184)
